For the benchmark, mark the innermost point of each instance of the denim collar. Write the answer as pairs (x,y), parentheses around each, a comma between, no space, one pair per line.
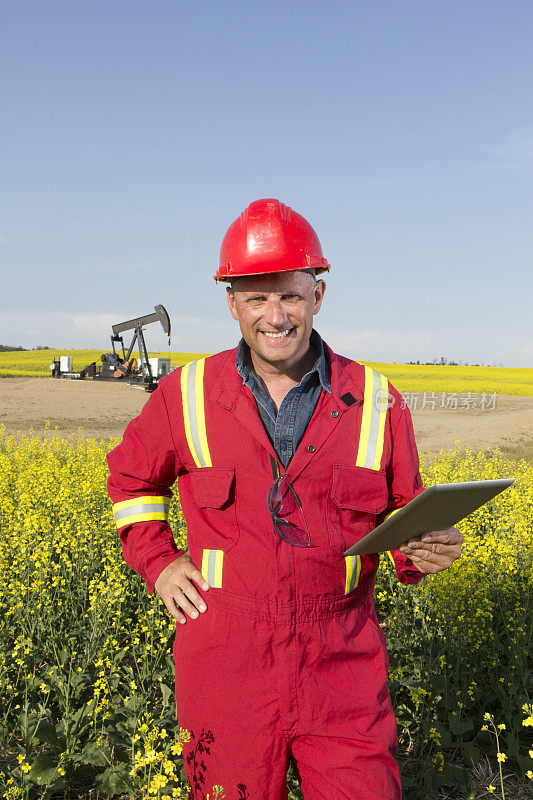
(320,366)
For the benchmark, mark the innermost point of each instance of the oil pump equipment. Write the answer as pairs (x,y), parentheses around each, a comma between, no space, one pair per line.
(121,365)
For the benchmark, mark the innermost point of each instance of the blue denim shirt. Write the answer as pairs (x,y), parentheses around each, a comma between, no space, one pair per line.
(287,427)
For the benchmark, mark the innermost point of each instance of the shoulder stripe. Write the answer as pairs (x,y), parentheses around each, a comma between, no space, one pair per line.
(192,395)
(375,405)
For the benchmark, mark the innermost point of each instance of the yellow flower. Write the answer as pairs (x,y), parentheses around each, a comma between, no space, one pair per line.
(53,498)
(491,789)
(501,757)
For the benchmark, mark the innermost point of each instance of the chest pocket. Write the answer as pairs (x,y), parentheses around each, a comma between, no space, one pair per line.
(358,494)
(213,489)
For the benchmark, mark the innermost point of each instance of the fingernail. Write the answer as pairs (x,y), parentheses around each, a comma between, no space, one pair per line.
(194,614)
(206,586)
(182,621)
(202,607)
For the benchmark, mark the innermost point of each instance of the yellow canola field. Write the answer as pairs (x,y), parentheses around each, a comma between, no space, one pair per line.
(86,672)
(405,377)
(37,362)
(445,378)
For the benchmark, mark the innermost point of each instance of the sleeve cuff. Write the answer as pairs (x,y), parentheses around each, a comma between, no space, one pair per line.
(406,571)
(155,562)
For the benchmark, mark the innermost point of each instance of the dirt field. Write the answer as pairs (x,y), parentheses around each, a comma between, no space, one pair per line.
(103,410)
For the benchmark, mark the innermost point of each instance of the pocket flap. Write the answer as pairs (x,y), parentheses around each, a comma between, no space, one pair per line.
(211,486)
(359,488)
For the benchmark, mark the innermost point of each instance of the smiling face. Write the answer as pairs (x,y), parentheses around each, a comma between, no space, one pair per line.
(275,313)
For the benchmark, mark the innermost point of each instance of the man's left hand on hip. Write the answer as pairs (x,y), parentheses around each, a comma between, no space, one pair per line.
(435,550)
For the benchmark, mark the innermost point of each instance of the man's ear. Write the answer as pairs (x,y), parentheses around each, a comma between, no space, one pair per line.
(230,295)
(320,289)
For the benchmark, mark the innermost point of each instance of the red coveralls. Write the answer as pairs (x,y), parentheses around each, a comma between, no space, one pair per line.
(289,657)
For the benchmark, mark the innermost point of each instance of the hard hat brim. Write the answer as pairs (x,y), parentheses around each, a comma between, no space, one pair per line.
(228,278)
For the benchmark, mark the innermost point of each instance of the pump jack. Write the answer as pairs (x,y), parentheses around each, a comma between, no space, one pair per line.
(115,366)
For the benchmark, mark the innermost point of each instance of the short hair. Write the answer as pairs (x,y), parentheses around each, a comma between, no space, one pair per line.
(311,271)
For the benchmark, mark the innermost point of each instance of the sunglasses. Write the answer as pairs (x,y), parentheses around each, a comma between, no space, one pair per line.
(285,508)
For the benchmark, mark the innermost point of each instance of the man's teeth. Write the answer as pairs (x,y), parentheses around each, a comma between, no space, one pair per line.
(278,335)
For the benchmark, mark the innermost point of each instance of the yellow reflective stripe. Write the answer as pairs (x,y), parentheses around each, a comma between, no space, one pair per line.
(200,412)
(372,434)
(353,571)
(192,395)
(392,512)
(218,569)
(186,419)
(135,501)
(146,517)
(365,420)
(141,509)
(391,558)
(348,574)
(212,561)
(205,564)
(381,425)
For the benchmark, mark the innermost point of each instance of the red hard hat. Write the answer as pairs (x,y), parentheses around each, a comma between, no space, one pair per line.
(269,237)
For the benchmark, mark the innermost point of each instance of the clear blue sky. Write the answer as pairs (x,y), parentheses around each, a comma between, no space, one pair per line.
(133,133)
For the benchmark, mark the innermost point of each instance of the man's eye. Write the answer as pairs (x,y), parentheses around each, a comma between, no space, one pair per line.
(291,297)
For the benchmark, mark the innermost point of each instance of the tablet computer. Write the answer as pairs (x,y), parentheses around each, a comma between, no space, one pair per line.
(438,507)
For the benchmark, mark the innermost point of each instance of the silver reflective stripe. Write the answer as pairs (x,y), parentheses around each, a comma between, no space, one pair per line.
(193,416)
(142,508)
(211,566)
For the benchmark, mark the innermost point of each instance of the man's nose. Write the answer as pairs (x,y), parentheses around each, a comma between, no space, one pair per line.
(275,313)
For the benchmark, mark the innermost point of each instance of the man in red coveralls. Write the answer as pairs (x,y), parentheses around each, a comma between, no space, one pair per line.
(285,455)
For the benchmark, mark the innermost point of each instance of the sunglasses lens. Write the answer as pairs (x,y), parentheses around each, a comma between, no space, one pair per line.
(275,497)
(286,512)
(291,534)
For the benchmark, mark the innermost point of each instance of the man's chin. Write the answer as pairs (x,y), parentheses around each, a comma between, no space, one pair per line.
(275,354)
